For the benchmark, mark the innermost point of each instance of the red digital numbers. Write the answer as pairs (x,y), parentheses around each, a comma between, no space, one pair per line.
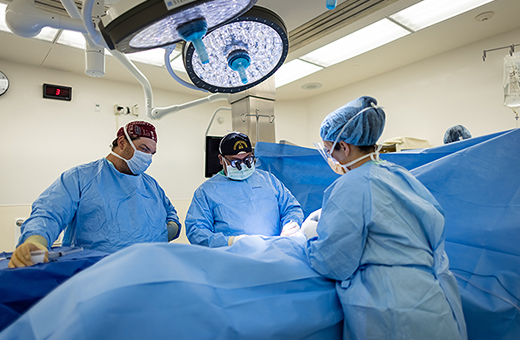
(57,92)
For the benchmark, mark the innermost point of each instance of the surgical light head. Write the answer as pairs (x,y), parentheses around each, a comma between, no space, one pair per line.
(132,27)
(242,53)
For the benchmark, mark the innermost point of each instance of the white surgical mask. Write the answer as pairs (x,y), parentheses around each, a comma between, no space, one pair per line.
(342,169)
(139,162)
(239,175)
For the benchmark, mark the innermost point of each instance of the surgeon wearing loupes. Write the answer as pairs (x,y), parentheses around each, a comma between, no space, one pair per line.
(380,235)
(240,200)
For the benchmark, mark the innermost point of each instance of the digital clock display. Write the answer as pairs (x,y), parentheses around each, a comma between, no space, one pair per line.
(57,92)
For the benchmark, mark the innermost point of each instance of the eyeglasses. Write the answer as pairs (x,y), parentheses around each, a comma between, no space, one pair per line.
(236,163)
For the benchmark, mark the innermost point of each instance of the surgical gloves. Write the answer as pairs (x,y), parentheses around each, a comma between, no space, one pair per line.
(290,229)
(310,224)
(22,255)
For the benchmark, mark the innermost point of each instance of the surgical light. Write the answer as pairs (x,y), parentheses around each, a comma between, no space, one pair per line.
(430,12)
(130,27)
(242,53)
(73,39)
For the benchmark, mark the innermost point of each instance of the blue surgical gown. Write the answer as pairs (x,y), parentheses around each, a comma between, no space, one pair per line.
(101,208)
(381,236)
(222,207)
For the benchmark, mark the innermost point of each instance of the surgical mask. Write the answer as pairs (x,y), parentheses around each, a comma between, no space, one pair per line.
(239,175)
(336,166)
(139,162)
(342,169)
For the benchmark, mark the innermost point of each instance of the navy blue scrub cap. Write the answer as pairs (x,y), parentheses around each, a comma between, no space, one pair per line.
(364,129)
(456,133)
(234,143)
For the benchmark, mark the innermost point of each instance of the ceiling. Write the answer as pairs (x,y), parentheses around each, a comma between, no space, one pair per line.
(450,34)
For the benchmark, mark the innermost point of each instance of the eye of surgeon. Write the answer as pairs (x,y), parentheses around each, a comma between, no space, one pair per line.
(243,154)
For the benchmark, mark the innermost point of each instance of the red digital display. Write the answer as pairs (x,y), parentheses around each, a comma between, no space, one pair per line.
(57,92)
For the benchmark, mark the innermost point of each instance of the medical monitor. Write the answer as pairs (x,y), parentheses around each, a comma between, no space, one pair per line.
(213,165)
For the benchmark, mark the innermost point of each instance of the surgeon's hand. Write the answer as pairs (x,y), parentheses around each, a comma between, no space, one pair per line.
(233,239)
(290,229)
(310,224)
(22,255)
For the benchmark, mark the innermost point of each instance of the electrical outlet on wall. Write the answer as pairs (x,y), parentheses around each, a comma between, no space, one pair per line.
(17,231)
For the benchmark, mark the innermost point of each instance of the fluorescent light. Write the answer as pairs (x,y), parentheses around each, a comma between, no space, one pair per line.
(47,34)
(378,34)
(429,12)
(73,39)
(294,70)
(152,57)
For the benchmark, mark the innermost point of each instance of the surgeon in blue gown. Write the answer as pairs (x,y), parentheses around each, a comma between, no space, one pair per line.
(240,200)
(105,205)
(380,235)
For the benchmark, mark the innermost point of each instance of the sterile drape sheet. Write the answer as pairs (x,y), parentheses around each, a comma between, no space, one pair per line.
(477,182)
(262,288)
(259,288)
(20,288)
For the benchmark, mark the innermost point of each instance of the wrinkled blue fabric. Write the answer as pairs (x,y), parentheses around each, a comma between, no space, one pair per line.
(101,208)
(456,133)
(476,182)
(20,288)
(479,188)
(364,129)
(222,207)
(259,288)
(303,170)
(412,159)
(381,236)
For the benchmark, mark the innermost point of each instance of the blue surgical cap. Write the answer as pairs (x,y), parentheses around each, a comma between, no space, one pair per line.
(365,129)
(456,133)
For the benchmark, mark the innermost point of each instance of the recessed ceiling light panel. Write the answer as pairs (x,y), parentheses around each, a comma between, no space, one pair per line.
(242,53)
(156,23)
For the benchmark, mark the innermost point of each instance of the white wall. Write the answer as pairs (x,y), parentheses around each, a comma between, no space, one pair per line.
(43,137)
(424,99)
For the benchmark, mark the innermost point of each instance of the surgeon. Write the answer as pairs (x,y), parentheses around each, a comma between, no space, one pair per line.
(380,235)
(105,205)
(240,200)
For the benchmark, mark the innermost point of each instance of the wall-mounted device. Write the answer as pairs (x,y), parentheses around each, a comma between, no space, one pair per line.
(57,92)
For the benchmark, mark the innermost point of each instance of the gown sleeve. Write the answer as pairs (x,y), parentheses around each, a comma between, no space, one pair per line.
(199,223)
(342,229)
(54,209)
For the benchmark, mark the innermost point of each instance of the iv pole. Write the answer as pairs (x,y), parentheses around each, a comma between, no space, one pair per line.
(511,51)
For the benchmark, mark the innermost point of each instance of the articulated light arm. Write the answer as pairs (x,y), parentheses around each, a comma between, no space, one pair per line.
(26,20)
(94,34)
(158,112)
(148,95)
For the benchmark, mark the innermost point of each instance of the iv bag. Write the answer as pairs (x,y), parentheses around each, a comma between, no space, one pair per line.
(512,80)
